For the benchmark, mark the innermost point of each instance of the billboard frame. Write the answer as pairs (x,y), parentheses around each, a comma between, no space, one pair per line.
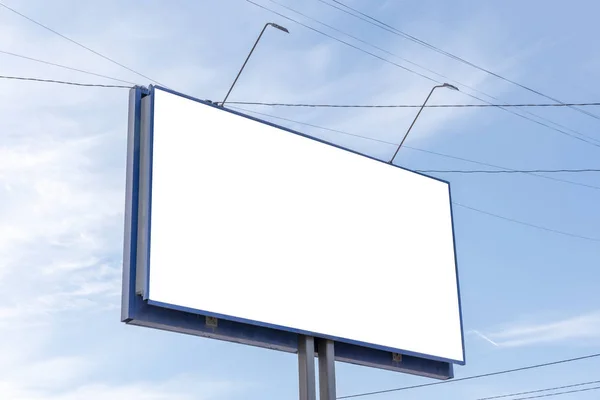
(138,310)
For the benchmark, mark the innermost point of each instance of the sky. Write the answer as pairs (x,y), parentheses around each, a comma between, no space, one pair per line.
(528,295)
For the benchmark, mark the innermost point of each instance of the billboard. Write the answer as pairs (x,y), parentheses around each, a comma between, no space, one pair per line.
(270,233)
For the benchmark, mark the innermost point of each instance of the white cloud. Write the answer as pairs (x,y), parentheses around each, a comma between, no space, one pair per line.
(62,156)
(31,369)
(581,330)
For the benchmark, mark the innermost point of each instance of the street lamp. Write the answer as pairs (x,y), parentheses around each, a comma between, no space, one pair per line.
(445,85)
(281,28)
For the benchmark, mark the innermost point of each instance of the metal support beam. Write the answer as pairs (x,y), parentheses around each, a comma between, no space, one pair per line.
(326,349)
(306,368)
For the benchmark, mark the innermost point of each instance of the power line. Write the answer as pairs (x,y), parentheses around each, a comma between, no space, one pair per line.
(64,66)
(558,394)
(540,390)
(502,171)
(317,105)
(543,124)
(513,171)
(535,174)
(20,78)
(79,44)
(527,223)
(461,205)
(425,68)
(472,377)
(343,42)
(417,149)
(433,80)
(391,29)
(477,162)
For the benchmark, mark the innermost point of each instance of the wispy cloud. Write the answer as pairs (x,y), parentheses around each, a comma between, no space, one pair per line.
(62,158)
(30,369)
(580,329)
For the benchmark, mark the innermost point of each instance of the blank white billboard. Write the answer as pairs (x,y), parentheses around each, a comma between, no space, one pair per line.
(257,224)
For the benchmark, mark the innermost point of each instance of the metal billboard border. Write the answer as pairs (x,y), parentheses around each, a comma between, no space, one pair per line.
(138,310)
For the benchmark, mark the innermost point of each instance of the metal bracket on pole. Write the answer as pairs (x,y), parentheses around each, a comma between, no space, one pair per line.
(306,368)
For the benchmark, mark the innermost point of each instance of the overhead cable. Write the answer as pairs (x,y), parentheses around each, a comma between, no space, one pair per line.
(596,142)
(474,377)
(428,105)
(557,394)
(79,44)
(64,66)
(20,78)
(382,25)
(461,205)
(512,171)
(540,390)
(552,178)
(422,67)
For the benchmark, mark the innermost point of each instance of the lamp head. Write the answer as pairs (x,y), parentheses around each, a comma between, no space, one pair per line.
(281,28)
(449,86)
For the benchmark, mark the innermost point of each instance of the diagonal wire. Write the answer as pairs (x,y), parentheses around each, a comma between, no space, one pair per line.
(417,149)
(473,377)
(425,76)
(541,123)
(519,171)
(20,78)
(558,394)
(79,44)
(63,66)
(539,390)
(459,204)
(342,41)
(527,223)
(391,29)
(423,67)
(500,167)
(471,208)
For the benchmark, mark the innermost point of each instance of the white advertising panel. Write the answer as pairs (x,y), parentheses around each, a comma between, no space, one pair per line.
(253,223)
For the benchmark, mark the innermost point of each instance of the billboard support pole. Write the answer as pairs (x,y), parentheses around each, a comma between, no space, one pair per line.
(306,368)
(326,351)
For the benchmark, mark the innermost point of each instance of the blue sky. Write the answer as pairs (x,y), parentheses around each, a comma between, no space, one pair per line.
(528,296)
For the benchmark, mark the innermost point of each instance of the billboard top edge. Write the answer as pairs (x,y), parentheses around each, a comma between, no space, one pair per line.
(152,88)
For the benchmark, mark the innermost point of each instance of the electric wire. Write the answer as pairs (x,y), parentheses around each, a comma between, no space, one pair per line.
(420,66)
(557,394)
(364,137)
(323,33)
(342,41)
(473,377)
(540,390)
(391,29)
(20,78)
(63,66)
(504,169)
(519,171)
(317,105)
(543,228)
(543,124)
(552,178)
(574,235)
(79,44)
(144,76)
(431,79)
